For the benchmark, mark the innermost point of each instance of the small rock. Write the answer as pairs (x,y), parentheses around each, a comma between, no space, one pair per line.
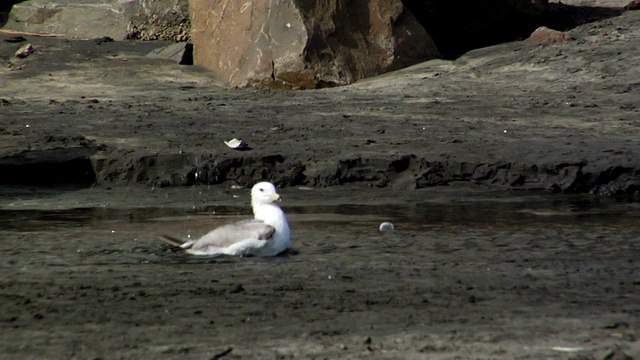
(238,288)
(544,34)
(24,51)
(386,226)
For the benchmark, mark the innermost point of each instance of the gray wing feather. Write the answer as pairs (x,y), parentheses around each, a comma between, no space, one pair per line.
(230,234)
(171,240)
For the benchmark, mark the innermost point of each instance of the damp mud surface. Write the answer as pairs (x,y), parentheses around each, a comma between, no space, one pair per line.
(464,275)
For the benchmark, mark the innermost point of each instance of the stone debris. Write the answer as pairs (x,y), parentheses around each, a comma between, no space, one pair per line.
(543,34)
(24,51)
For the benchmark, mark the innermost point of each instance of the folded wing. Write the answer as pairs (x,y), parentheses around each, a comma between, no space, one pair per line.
(240,235)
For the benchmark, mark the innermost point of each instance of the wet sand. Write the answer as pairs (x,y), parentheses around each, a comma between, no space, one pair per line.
(464,275)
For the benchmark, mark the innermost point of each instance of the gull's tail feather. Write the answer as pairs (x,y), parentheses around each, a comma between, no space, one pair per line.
(171,240)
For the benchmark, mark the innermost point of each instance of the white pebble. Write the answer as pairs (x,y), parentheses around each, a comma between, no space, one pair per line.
(386,226)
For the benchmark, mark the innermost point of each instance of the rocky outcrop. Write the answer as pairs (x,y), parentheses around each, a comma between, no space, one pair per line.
(80,161)
(403,172)
(118,19)
(305,44)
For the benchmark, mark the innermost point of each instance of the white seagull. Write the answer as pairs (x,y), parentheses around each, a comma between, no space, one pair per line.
(267,234)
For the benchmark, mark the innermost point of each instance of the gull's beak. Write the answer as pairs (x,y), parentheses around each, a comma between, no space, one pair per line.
(276,197)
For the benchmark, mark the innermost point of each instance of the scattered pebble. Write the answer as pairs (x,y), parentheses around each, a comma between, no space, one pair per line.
(386,226)
(24,51)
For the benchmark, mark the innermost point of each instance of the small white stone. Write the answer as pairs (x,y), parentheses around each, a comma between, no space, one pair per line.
(236,143)
(24,51)
(386,226)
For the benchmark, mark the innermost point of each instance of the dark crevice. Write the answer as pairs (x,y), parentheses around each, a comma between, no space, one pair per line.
(566,17)
(460,26)
(5,9)
(187,55)
(75,171)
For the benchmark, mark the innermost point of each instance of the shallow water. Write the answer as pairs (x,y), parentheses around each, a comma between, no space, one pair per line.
(128,224)
(517,257)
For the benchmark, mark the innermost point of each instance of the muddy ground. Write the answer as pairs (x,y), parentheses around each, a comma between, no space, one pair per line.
(92,283)
(465,275)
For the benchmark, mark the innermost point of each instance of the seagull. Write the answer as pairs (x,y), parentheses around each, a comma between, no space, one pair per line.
(267,234)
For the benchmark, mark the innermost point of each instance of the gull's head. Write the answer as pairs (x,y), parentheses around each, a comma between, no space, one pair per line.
(264,193)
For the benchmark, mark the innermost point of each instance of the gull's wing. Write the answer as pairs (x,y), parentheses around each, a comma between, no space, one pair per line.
(230,234)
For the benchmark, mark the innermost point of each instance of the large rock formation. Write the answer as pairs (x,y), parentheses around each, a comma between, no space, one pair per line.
(305,44)
(291,43)
(118,19)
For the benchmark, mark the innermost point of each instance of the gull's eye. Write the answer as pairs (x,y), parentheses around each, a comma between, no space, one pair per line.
(261,190)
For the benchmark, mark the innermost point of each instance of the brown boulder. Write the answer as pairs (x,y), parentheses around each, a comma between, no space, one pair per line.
(544,34)
(305,44)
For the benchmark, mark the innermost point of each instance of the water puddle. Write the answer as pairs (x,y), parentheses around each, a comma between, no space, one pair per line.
(93,222)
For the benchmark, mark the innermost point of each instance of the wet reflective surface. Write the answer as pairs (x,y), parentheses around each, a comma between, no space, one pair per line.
(502,273)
